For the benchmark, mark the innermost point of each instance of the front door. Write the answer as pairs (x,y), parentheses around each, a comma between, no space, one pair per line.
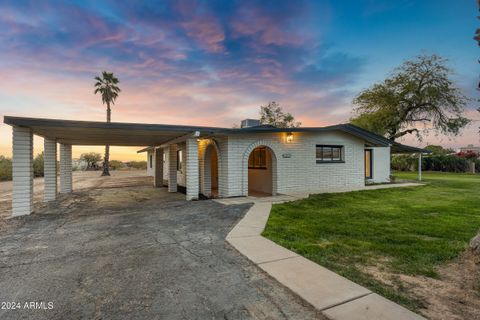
(368,163)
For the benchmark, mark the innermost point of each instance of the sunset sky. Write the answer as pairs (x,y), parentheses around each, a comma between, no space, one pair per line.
(215,62)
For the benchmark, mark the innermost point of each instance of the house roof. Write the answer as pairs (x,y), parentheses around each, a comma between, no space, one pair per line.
(145,149)
(141,134)
(395,147)
(102,133)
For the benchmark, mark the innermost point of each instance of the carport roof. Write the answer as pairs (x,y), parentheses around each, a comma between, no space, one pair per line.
(142,134)
(103,133)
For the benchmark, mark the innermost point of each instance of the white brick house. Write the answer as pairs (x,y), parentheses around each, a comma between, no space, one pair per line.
(221,162)
(290,166)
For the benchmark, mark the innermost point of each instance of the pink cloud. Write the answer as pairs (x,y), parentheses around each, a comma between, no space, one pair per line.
(206,32)
(201,25)
(270,29)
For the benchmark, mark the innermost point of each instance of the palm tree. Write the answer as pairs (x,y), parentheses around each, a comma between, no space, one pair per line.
(107,86)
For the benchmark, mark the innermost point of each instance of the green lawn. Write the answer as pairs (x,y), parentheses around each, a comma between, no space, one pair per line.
(405,230)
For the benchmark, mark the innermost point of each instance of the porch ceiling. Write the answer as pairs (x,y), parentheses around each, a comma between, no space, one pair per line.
(102,133)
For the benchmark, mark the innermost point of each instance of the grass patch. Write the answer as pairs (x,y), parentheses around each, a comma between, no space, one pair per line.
(405,230)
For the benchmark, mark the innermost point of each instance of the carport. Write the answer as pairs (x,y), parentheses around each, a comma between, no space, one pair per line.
(397,148)
(68,133)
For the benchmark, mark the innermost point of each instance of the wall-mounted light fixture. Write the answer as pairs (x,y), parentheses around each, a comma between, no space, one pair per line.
(289,137)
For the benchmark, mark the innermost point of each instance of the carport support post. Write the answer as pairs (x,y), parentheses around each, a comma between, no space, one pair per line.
(420,167)
(65,168)
(172,168)
(22,171)
(50,169)
(192,169)
(158,180)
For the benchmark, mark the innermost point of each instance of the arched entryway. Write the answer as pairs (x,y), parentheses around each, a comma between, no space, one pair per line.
(260,171)
(211,170)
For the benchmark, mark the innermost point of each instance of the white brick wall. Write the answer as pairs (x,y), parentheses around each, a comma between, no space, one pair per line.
(381,164)
(22,171)
(299,173)
(294,167)
(192,168)
(50,169)
(65,168)
(205,148)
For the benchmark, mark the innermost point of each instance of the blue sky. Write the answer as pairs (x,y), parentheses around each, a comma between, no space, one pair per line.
(216,62)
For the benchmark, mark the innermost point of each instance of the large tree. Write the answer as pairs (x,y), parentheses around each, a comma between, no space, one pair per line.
(273,114)
(91,158)
(418,97)
(107,87)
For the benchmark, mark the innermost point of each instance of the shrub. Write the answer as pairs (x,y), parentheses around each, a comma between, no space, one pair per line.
(435,149)
(137,164)
(468,155)
(437,162)
(477,165)
(403,162)
(5,168)
(38,165)
(116,165)
(92,159)
(446,163)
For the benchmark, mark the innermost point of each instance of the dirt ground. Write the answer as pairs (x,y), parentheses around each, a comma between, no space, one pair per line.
(454,296)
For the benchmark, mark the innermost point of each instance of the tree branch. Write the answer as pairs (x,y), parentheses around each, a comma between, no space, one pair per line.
(421,119)
(402,133)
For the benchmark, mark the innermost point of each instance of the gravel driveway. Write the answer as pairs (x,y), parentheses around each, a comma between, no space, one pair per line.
(134,253)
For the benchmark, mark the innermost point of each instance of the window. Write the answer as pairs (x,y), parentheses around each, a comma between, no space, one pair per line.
(258,159)
(179,160)
(326,153)
(151,161)
(368,163)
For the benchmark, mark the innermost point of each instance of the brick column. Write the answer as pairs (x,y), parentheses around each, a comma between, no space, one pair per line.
(22,171)
(158,178)
(192,180)
(50,169)
(172,168)
(65,168)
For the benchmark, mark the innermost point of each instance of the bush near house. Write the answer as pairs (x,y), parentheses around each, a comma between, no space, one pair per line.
(5,168)
(38,165)
(437,162)
(92,160)
(468,155)
(116,165)
(137,165)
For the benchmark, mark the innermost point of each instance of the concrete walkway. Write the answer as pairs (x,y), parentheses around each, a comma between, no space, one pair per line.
(335,296)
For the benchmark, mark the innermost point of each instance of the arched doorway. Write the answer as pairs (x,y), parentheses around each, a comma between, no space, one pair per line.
(261,179)
(211,170)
